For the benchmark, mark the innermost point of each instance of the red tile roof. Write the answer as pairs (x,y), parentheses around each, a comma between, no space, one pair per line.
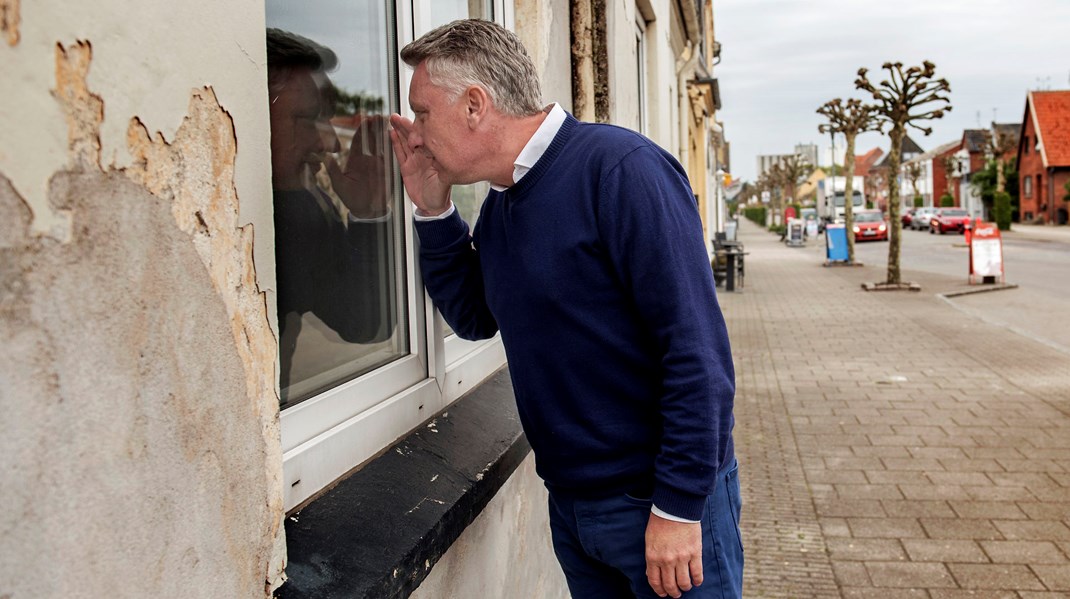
(1051,117)
(866,161)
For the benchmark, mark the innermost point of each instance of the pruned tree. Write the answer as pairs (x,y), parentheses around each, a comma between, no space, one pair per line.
(850,119)
(950,163)
(999,145)
(914,172)
(906,98)
(794,169)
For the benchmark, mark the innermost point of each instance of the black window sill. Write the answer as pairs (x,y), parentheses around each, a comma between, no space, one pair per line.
(378,532)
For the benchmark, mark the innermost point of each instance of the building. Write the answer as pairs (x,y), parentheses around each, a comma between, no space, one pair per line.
(808,151)
(879,175)
(172,435)
(1044,158)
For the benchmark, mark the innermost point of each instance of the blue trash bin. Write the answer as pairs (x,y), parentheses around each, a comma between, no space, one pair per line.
(836,243)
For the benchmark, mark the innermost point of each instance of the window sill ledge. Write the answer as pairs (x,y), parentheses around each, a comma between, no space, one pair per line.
(378,532)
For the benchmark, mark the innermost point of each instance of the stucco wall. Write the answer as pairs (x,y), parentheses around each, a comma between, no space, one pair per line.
(543,26)
(137,359)
(506,552)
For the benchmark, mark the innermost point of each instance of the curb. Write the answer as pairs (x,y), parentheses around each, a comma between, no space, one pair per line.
(985,289)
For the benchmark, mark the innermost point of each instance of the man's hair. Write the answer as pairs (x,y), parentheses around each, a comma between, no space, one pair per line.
(477,52)
(288,51)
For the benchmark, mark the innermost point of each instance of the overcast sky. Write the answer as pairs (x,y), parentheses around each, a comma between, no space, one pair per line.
(782,59)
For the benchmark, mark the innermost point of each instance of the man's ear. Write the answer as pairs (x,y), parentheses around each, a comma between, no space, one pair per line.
(477,105)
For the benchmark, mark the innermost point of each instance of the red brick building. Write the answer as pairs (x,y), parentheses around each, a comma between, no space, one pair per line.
(1044,157)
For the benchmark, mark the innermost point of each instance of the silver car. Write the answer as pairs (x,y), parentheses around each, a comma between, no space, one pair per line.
(920,220)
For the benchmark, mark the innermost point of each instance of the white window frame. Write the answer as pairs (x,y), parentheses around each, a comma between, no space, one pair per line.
(340,429)
(641,67)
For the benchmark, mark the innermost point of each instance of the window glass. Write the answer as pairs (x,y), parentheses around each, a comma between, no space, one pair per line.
(339,239)
(467,198)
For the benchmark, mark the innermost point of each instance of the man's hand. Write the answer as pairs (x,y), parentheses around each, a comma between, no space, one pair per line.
(673,556)
(428,190)
(365,184)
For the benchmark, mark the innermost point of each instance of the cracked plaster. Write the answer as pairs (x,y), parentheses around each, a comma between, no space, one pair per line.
(137,336)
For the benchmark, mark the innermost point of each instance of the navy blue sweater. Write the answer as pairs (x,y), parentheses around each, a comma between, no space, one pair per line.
(594,269)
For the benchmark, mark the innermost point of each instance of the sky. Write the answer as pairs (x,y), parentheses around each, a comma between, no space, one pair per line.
(782,59)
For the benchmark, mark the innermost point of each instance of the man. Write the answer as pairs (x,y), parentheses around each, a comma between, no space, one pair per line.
(588,257)
(330,265)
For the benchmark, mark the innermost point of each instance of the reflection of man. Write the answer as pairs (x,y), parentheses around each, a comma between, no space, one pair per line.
(588,256)
(328,265)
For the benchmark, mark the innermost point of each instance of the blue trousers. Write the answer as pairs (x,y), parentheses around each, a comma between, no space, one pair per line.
(601,544)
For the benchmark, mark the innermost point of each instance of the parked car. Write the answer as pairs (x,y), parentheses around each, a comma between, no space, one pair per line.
(949,219)
(907,217)
(920,219)
(870,225)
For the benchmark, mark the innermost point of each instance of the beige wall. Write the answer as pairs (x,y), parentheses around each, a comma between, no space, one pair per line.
(506,552)
(136,351)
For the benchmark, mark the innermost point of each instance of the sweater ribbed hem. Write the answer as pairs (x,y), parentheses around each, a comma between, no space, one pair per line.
(439,234)
(678,503)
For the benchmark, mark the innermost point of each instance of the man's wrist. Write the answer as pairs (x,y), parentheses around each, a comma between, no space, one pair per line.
(667,516)
(422,215)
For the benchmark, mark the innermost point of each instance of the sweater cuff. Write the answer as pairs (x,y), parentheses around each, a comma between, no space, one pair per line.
(679,504)
(441,233)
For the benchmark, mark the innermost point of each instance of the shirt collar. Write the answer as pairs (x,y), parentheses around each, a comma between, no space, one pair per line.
(537,145)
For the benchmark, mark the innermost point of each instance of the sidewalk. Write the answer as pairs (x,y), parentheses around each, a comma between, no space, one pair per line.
(891,446)
(1048,232)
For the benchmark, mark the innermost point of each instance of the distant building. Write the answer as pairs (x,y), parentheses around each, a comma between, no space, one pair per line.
(767,161)
(1044,157)
(808,151)
(879,174)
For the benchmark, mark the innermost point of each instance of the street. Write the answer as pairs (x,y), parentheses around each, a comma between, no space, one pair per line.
(896,444)
(1035,259)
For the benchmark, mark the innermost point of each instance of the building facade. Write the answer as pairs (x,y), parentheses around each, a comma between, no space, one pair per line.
(179,429)
(1044,158)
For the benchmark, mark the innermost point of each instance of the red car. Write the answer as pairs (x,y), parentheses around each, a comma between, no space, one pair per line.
(870,225)
(906,218)
(949,219)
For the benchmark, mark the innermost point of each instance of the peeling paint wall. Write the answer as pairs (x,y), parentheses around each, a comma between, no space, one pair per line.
(9,21)
(506,552)
(137,358)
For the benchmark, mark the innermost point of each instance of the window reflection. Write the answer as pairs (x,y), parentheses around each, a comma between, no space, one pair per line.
(337,205)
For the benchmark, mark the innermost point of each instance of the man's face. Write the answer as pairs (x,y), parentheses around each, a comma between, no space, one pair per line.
(301,131)
(442,128)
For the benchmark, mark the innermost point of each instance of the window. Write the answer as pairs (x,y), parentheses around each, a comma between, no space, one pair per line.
(640,69)
(361,353)
(1025,145)
(1027,186)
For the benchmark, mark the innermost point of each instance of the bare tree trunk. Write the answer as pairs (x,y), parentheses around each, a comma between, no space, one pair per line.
(1001,177)
(848,196)
(894,225)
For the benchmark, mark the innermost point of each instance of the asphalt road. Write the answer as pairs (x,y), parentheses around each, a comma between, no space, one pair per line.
(1040,266)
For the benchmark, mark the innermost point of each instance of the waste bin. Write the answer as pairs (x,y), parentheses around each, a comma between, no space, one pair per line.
(836,243)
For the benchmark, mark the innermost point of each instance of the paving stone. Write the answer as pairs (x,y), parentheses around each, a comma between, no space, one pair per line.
(1033,530)
(1055,578)
(1002,510)
(996,576)
(944,550)
(887,528)
(909,574)
(917,509)
(851,549)
(959,528)
(1024,552)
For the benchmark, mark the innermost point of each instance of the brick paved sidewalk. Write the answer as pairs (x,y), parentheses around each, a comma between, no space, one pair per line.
(891,446)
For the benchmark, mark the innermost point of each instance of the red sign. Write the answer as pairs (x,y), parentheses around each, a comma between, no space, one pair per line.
(986,251)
